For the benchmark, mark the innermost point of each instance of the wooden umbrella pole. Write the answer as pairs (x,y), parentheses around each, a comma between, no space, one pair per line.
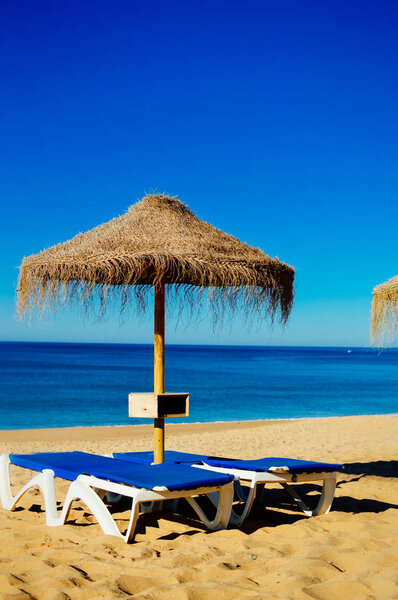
(159,368)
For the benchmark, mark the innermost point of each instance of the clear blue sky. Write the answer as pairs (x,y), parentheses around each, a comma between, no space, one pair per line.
(274,120)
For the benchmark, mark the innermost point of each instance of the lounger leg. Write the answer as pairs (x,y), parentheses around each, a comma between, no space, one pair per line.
(44,481)
(135,511)
(6,497)
(47,486)
(82,491)
(236,519)
(325,500)
(224,507)
(248,499)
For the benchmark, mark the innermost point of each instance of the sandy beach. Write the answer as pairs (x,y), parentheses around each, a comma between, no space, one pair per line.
(279,553)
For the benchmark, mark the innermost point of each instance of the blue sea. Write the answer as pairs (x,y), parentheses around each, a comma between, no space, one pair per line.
(66,385)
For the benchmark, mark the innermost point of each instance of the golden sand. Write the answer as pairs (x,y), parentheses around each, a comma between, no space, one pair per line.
(278,553)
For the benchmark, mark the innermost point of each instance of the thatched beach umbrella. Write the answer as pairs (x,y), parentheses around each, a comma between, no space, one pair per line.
(158,242)
(384,321)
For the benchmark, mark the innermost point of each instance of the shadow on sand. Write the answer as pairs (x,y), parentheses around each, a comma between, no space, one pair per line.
(378,468)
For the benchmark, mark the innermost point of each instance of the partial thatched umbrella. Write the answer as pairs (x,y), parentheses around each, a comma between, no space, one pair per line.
(157,242)
(385,311)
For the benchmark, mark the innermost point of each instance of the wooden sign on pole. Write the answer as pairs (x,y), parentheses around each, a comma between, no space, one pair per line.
(154,406)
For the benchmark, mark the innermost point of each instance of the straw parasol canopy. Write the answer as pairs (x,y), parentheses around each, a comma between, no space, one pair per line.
(157,239)
(158,242)
(384,322)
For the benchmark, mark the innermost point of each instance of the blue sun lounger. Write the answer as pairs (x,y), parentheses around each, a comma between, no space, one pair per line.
(256,474)
(94,476)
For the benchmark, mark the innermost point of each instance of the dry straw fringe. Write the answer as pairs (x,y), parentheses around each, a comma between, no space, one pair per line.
(384,321)
(117,265)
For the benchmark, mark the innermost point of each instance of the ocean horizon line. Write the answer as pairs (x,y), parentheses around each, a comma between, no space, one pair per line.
(178,345)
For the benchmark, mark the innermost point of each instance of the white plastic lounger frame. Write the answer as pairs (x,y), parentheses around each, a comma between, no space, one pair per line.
(257,480)
(92,489)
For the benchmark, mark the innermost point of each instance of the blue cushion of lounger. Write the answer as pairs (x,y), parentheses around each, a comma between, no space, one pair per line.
(262,464)
(69,465)
(267,464)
